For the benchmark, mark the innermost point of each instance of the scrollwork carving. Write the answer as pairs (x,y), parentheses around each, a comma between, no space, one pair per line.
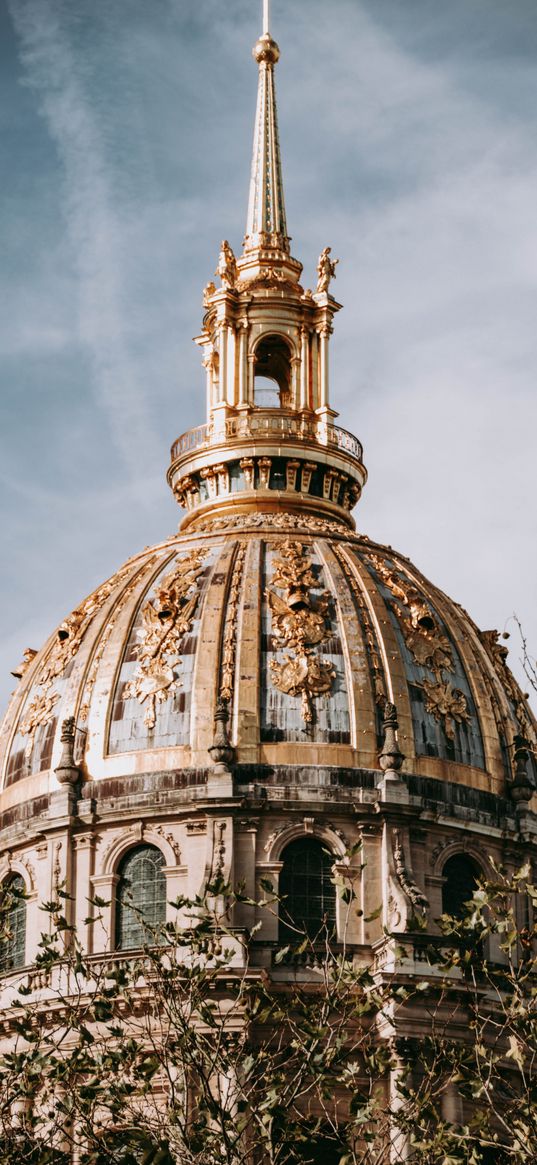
(300,624)
(230,628)
(254,521)
(166,619)
(416,897)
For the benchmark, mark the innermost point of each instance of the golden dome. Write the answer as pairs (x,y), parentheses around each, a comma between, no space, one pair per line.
(267,634)
(301,631)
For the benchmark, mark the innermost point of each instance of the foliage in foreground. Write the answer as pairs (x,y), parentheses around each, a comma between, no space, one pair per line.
(187,1053)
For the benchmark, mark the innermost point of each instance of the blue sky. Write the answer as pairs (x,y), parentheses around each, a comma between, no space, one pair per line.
(409,146)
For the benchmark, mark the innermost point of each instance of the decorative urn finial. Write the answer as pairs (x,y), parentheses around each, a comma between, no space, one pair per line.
(390,758)
(521,789)
(67,772)
(221,751)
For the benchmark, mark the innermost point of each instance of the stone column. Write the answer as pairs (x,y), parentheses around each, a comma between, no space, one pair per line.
(304,369)
(323,368)
(84,856)
(230,365)
(243,363)
(314,341)
(222,365)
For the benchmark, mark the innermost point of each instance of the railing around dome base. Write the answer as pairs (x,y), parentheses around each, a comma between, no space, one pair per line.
(267,424)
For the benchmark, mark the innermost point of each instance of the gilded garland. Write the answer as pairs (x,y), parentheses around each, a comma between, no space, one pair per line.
(299,624)
(429,647)
(166,619)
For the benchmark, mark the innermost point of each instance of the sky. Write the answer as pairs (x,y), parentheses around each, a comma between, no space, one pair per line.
(409,146)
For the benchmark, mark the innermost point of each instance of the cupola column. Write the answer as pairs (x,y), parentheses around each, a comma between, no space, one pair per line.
(304,368)
(323,368)
(230,365)
(243,363)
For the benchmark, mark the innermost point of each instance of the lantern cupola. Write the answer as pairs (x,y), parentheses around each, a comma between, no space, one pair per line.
(269,441)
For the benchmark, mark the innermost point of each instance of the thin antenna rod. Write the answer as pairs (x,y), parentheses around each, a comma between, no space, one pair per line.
(266,15)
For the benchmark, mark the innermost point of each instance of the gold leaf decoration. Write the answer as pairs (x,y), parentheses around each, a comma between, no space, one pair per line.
(38,714)
(498,654)
(429,647)
(68,639)
(230,630)
(166,619)
(446,704)
(299,624)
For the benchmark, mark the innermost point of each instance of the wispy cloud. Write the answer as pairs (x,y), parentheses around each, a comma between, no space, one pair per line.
(54,72)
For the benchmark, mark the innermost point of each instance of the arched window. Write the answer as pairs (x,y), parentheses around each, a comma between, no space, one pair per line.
(306,889)
(460,873)
(272,373)
(13,924)
(141,897)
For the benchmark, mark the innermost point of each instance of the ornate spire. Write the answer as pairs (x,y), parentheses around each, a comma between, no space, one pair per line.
(266,224)
(269,442)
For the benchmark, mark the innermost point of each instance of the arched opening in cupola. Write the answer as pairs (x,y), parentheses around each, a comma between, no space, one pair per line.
(272,373)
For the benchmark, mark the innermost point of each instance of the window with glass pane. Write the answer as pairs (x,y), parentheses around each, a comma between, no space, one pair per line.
(141,897)
(13,941)
(309,897)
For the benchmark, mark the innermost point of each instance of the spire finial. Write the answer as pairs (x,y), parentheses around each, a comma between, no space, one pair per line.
(266,225)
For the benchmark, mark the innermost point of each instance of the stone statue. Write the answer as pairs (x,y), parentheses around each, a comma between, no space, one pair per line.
(227,265)
(208,292)
(326,269)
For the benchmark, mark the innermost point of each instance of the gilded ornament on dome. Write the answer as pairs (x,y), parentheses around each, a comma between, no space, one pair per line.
(68,639)
(300,624)
(166,619)
(498,655)
(91,677)
(429,647)
(446,704)
(229,646)
(292,522)
(37,715)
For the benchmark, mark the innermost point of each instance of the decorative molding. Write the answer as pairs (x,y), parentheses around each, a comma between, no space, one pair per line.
(321,831)
(137,833)
(91,677)
(229,645)
(166,619)
(170,839)
(446,704)
(428,645)
(68,639)
(196,828)
(14,864)
(405,877)
(373,653)
(299,624)
(497,653)
(285,522)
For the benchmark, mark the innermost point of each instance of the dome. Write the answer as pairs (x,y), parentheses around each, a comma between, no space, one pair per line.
(301,630)
(267,674)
